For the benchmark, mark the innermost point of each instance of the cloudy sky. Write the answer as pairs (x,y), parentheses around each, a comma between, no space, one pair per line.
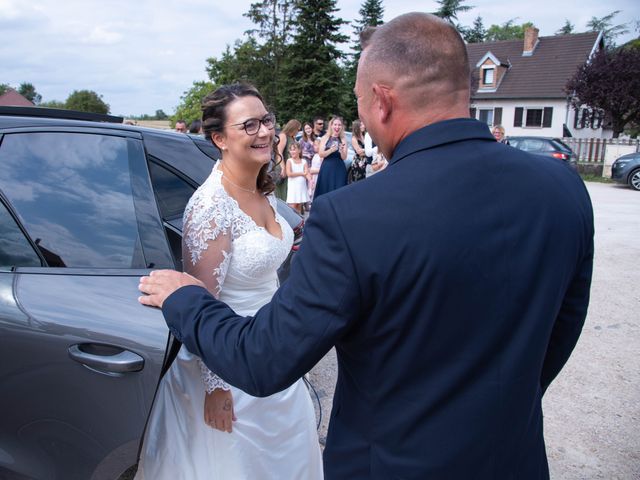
(141,55)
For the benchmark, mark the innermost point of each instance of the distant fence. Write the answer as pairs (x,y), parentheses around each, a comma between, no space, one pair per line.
(593,150)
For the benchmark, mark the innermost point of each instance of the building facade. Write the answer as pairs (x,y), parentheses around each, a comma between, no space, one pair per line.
(520,85)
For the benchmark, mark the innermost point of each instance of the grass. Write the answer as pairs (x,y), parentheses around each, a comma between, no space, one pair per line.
(590,177)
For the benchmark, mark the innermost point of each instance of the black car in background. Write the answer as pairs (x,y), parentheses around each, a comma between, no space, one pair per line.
(87,206)
(553,147)
(626,169)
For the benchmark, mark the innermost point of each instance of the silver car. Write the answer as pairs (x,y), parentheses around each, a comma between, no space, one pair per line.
(86,207)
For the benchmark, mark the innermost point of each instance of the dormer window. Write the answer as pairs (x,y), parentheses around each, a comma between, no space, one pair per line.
(488,76)
(490,72)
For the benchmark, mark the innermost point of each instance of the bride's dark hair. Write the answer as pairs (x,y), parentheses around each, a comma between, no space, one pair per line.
(214,118)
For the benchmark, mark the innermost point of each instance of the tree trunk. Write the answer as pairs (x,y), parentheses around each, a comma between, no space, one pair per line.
(617,125)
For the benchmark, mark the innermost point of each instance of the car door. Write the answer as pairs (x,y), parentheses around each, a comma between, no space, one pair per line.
(80,358)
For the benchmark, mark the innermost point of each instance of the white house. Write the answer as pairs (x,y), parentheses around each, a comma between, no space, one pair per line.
(520,85)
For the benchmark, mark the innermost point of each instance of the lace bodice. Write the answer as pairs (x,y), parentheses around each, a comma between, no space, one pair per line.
(235,258)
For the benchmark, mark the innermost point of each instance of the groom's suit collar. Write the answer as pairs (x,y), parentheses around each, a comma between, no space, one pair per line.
(441,133)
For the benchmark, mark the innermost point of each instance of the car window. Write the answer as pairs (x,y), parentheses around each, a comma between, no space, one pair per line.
(207,148)
(73,194)
(547,146)
(172,193)
(532,145)
(15,249)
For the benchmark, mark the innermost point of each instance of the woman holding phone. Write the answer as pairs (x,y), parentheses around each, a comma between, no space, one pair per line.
(333,151)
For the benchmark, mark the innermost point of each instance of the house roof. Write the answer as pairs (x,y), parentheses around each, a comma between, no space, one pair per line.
(11,98)
(541,75)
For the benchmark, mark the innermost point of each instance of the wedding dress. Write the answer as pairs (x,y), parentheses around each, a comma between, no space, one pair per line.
(274,437)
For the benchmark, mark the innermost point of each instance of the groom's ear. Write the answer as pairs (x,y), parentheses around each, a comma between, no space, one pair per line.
(383,100)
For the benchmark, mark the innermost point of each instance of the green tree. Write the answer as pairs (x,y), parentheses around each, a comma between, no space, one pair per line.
(189,108)
(371,13)
(313,80)
(449,10)
(507,31)
(246,62)
(610,82)
(477,33)
(274,22)
(566,29)
(53,104)
(160,115)
(4,87)
(609,31)
(86,101)
(28,91)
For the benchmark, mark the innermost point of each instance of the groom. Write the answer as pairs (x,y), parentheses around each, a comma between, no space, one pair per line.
(454,285)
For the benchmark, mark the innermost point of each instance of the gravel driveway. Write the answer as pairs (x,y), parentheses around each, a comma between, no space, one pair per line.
(592,410)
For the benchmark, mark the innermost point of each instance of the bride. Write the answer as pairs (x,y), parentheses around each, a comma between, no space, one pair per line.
(234,240)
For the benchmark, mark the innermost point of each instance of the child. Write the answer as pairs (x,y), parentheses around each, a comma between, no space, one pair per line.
(297,172)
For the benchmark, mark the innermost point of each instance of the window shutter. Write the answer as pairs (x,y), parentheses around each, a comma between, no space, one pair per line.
(576,118)
(599,119)
(497,116)
(517,119)
(546,117)
(472,113)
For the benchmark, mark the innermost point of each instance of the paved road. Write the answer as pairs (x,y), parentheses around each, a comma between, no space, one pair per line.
(592,410)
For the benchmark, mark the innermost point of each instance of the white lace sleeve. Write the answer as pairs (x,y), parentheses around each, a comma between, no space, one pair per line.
(207,249)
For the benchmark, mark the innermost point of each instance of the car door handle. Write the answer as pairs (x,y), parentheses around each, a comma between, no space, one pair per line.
(107,358)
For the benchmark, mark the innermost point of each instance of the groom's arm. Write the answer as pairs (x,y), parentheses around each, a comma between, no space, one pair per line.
(266,353)
(570,319)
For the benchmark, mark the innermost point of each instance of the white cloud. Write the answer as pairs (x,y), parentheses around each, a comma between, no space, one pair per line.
(102,36)
(14,9)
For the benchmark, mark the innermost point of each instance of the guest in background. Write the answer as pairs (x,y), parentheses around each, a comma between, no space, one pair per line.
(333,151)
(181,126)
(379,163)
(370,148)
(196,127)
(285,139)
(318,127)
(357,170)
(306,143)
(297,171)
(312,178)
(498,133)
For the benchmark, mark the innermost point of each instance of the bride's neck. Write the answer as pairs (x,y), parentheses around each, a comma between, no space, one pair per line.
(243,176)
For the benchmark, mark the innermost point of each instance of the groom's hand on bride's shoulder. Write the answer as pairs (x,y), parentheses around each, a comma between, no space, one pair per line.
(159,284)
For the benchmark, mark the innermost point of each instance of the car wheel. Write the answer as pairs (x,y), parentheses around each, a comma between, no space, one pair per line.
(634,179)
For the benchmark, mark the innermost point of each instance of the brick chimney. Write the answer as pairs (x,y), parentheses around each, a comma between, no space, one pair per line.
(530,41)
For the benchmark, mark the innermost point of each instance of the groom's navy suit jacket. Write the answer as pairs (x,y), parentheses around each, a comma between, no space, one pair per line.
(454,286)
